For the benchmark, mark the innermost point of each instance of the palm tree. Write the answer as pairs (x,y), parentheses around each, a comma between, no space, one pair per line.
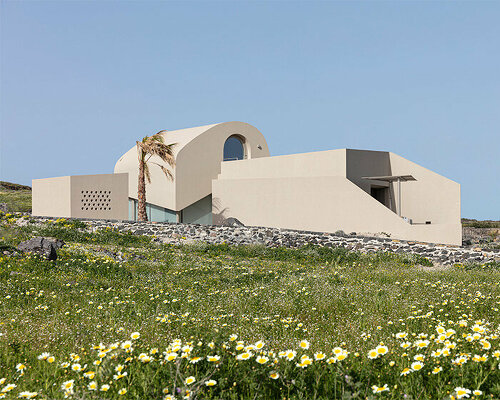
(152,146)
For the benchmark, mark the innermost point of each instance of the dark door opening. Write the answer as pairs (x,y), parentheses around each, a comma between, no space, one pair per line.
(381,194)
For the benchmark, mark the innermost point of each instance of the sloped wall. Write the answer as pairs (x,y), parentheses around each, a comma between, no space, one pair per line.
(432,197)
(322,204)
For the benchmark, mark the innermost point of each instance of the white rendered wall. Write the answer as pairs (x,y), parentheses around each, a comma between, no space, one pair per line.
(311,192)
(431,197)
(84,196)
(110,196)
(51,197)
(199,153)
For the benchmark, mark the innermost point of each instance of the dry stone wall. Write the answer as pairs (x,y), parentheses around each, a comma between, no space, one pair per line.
(273,237)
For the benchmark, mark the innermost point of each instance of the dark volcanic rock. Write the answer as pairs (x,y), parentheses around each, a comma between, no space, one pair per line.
(232,222)
(46,247)
(235,233)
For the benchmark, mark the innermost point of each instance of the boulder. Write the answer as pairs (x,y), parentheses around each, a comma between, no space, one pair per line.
(44,246)
(3,207)
(232,222)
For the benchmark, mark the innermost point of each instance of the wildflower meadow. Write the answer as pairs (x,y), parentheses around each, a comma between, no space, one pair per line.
(119,316)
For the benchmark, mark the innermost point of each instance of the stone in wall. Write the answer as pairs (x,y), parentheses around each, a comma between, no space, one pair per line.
(173,233)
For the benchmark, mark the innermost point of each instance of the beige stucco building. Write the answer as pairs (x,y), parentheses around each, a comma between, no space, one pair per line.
(225,170)
(82,196)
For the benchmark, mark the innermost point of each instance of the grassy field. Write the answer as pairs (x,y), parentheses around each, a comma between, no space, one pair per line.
(17,197)
(120,316)
(473,223)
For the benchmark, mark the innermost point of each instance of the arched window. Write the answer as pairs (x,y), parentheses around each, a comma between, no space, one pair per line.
(233,149)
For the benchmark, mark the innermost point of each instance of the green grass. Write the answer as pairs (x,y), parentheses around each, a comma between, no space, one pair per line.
(17,197)
(472,223)
(84,307)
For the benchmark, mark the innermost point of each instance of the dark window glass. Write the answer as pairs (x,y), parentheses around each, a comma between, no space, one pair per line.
(233,149)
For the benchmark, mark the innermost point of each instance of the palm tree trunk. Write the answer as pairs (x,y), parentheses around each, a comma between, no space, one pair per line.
(141,194)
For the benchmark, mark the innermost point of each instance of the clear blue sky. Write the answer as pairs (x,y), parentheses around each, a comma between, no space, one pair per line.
(81,81)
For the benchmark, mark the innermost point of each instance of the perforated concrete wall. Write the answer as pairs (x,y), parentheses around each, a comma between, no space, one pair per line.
(84,196)
(96,200)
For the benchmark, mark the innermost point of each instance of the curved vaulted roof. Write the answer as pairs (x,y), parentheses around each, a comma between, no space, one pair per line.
(199,153)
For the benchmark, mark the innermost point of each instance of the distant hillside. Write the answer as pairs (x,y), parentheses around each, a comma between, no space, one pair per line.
(13,186)
(16,197)
(474,223)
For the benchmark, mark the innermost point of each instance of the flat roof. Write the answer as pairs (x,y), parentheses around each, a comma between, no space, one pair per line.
(391,178)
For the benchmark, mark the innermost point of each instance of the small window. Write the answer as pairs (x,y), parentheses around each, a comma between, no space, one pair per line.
(233,149)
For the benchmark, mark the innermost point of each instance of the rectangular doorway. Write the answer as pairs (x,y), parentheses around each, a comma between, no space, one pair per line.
(380,194)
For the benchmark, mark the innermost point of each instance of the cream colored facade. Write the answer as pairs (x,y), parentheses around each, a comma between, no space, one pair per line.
(225,170)
(199,154)
(82,196)
(325,192)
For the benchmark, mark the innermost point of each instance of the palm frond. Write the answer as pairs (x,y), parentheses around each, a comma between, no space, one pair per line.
(163,151)
(154,145)
(166,171)
(158,137)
